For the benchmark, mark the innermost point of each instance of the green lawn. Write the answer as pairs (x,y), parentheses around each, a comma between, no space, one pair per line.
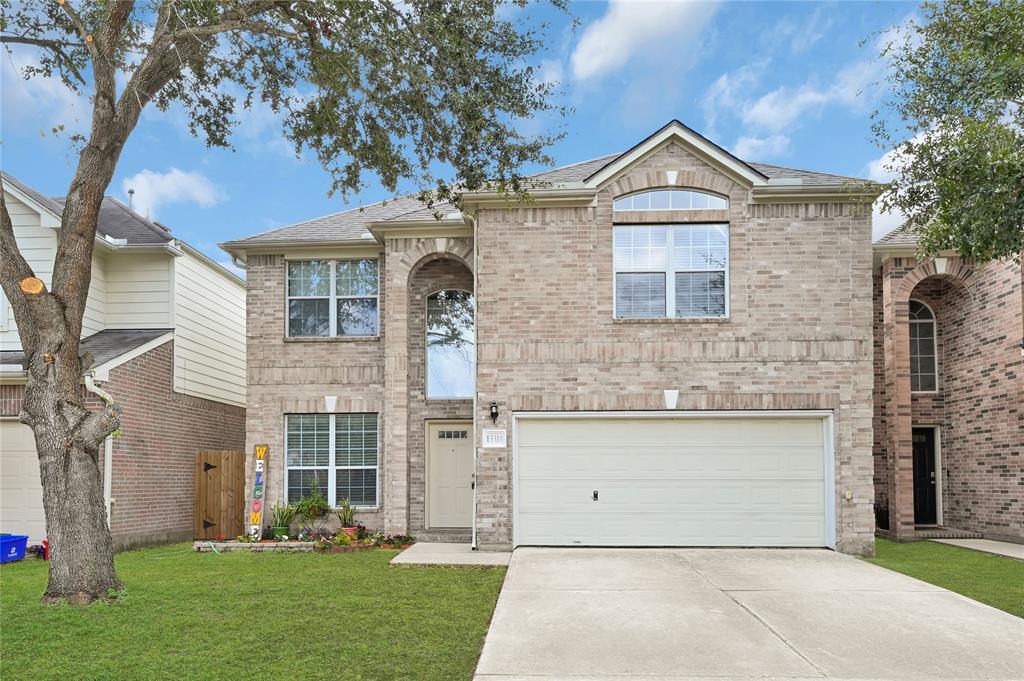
(994,580)
(252,616)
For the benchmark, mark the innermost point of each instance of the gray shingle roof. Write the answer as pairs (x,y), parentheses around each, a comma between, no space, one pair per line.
(116,220)
(899,237)
(352,224)
(104,346)
(809,177)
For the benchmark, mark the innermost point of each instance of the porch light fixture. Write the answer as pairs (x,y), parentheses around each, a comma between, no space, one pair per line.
(494,412)
(330,402)
(671,397)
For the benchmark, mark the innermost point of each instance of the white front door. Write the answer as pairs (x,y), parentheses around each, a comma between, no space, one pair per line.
(449,473)
(652,480)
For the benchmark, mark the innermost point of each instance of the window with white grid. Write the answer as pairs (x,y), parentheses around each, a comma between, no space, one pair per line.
(333,298)
(671,271)
(339,451)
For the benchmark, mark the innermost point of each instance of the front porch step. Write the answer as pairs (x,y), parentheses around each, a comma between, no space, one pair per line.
(944,533)
(457,535)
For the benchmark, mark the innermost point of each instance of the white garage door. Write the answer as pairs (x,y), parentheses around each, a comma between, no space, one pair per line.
(671,481)
(21,493)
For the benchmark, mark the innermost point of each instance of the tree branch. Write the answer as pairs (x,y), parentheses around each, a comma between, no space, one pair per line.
(57,47)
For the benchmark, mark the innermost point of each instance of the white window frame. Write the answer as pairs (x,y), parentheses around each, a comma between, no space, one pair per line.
(670,271)
(332,298)
(669,189)
(426,344)
(332,467)
(934,321)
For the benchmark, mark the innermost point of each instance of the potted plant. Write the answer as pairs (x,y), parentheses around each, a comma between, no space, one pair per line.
(283,516)
(311,510)
(347,517)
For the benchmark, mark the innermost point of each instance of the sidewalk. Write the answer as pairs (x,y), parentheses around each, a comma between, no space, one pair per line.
(1000,548)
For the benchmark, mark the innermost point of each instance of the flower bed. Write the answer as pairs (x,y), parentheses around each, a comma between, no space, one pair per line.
(338,542)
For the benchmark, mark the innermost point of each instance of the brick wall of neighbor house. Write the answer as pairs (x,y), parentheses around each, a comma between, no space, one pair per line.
(292,376)
(980,403)
(153,481)
(436,275)
(799,335)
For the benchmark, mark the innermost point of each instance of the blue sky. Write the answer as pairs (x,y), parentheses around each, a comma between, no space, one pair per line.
(779,82)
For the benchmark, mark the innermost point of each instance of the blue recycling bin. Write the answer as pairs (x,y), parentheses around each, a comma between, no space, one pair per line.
(12,547)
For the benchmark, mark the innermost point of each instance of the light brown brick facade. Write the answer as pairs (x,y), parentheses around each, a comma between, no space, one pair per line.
(153,472)
(799,336)
(979,405)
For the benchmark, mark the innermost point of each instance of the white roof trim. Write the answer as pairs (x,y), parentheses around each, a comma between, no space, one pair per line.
(47,217)
(677,132)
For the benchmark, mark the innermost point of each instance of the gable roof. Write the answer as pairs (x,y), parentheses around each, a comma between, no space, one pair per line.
(697,143)
(353,224)
(116,220)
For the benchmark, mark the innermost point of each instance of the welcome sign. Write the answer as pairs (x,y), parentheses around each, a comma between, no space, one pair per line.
(256,510)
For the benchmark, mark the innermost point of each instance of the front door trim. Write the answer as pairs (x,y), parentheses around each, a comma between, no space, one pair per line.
(825,414)
(427,441)
(938,467)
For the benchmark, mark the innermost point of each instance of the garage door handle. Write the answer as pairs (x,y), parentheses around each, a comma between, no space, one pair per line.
(595,495)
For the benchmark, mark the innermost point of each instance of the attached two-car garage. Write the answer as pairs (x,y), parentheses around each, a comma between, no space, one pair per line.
(673,479)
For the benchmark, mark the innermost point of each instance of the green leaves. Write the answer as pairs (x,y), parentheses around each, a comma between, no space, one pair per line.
(958,91)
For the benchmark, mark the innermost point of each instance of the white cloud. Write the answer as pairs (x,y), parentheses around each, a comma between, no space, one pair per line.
(800,35)
(39,102)
(728,91)
(781,108)
(154,189)
(639,27)
(884,169)
(761,148)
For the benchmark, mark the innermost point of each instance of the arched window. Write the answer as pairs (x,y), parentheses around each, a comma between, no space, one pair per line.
(451,351)
(923,366)
(671,199)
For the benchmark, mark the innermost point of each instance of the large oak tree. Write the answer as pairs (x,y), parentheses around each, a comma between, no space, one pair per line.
(396,89)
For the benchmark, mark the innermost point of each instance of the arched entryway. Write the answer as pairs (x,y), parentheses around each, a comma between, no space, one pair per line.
(920,306)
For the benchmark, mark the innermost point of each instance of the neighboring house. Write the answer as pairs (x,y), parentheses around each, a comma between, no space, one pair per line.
(166,326)
(949,394)
(507,372)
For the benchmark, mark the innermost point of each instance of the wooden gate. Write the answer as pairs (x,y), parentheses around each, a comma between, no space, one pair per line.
(220,495)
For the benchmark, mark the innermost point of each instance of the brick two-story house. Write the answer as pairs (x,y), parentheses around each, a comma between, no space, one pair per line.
(667,346)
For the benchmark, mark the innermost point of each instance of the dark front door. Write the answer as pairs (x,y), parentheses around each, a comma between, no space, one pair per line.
(924,477)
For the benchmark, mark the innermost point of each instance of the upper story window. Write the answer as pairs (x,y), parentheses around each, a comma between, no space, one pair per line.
(333,298)
(671,271)
(451,345)
(671,199)
(923,365)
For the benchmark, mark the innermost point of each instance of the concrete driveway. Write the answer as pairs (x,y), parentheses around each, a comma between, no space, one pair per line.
(736,614)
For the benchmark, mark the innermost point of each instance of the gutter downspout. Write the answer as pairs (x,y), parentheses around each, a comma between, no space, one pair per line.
(476,368)
(108,447)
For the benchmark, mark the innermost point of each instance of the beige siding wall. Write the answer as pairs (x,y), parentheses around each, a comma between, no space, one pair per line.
(139,291)
(38,244)
(95,317)
(209,339)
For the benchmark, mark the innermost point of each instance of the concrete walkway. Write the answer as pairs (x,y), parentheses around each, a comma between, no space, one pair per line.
(427,553)
(736,614)
(1000,548)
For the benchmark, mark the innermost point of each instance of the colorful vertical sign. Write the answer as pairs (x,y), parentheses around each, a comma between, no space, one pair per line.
(256,509)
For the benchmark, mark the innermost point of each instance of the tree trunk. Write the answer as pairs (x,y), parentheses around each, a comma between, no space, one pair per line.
(82,551)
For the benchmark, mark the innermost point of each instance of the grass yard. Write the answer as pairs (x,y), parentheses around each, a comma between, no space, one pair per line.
(252,616)
(994,580)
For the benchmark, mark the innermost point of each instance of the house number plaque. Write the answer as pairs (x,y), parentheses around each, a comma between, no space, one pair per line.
(495,439)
